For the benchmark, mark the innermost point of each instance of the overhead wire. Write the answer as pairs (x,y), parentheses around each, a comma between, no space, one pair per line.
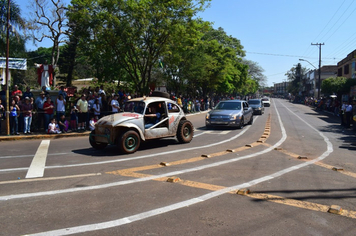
(325,26)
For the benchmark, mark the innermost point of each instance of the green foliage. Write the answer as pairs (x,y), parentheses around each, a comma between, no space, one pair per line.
(124,39)
(338,85)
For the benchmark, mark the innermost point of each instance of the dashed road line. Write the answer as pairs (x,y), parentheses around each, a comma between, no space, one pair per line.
(38,163)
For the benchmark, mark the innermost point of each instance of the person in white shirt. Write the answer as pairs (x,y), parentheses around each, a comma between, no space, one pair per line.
(61,106)
(348,113)
(101,90)
(115,104)
(53,127)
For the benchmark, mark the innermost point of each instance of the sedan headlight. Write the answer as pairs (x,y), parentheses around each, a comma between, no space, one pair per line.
(207,116)
(234,117)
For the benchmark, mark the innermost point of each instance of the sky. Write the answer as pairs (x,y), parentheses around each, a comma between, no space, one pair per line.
(277,33)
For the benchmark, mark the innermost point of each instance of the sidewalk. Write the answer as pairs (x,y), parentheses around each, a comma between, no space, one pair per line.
(36,135)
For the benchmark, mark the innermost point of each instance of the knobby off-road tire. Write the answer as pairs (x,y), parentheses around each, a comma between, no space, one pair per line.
(95,145)
(185,131)
(129,142)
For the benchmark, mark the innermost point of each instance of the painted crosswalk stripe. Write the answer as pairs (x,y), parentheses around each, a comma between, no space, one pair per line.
(38,163)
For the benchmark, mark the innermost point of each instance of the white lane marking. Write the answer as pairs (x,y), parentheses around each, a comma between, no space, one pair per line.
(144,156)
(38,163)
(49,178)
(162,210)
(216,132)
(21,156)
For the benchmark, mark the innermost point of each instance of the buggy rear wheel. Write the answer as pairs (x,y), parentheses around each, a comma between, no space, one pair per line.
(185,131)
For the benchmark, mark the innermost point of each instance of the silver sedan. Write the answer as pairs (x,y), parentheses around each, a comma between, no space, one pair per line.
(236,113)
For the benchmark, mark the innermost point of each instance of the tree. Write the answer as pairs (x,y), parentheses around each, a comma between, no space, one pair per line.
(48,20)
(127,38)
(338,85)
(17,23)
(255,72)
(295,75)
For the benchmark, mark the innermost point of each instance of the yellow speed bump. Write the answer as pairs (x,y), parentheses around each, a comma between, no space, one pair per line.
(243,191)
(335,209)
(173,179)
(206,155)
(164,164)
(337,168)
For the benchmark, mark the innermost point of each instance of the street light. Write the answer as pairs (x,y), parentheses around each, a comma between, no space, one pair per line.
(319,74)
(308,62)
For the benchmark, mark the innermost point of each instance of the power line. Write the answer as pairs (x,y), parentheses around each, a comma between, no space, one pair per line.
(283,55)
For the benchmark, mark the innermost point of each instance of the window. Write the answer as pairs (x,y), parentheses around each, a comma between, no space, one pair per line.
(173,108)
(346,69)
(339,72)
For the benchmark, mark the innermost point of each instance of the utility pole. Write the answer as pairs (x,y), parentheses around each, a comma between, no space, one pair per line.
(7,70)
(319,80)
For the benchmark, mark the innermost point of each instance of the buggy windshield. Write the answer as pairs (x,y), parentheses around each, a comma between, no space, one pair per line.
(136,107)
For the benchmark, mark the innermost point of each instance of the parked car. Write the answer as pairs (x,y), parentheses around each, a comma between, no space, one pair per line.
(234,113)
(144,118)
(257,106)
(266,101)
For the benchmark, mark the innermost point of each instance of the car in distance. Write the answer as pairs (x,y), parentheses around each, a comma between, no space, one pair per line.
(235,113)
(257,106)
(144,118)
(266,102)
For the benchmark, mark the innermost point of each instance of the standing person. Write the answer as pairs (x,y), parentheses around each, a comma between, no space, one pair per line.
(27,115)
(20,102)
(61,106)
(115,104)
(3,95)
(40,112)
(16,92)
(82,106)
(48,108)
(97,108)
(342,113)
(104,105)
(2,110)
(73,117)
(14,110)
(348,114)
(28,93)
(62,92)
(44,89)
(354,114)
(101,90)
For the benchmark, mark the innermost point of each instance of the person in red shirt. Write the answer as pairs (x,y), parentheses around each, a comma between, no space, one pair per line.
(16,92)
(48,108)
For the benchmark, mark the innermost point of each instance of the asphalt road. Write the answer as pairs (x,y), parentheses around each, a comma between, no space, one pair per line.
(294,171)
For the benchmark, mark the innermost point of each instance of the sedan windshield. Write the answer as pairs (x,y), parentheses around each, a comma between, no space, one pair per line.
(228,106)
(137,107)
(254,102)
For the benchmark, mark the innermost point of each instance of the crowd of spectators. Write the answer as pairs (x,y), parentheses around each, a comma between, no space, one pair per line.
(345,110)
(76,113)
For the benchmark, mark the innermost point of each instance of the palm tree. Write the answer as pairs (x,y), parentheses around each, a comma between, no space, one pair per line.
(16,22)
